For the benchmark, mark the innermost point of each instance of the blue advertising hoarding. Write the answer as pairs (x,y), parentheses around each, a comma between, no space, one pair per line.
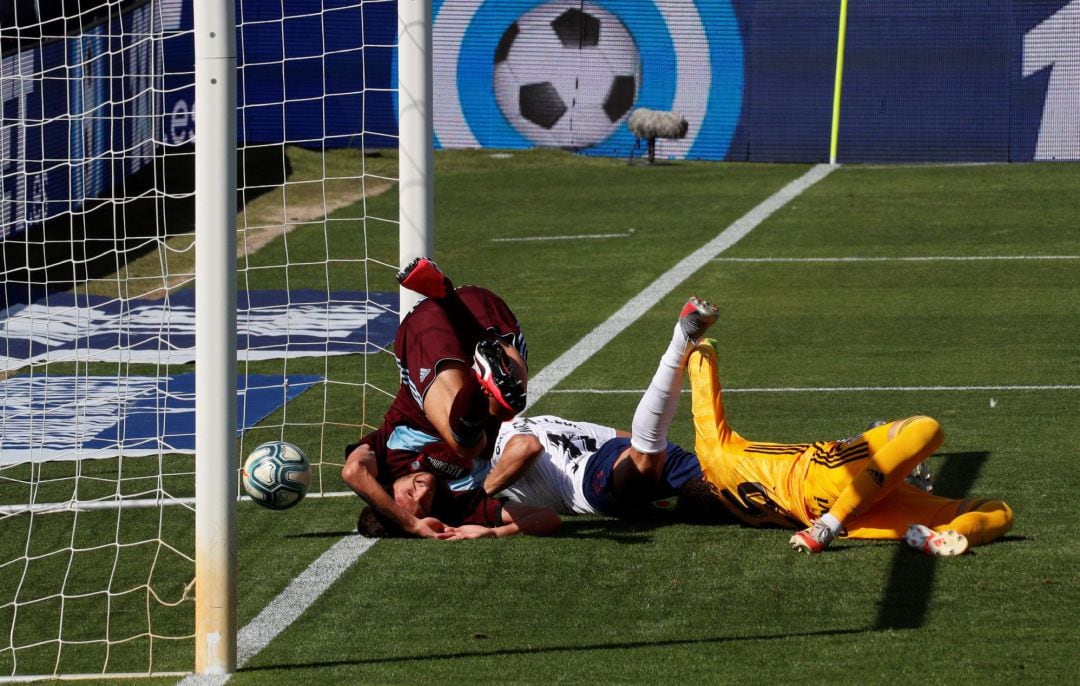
(971,80)
(80,115)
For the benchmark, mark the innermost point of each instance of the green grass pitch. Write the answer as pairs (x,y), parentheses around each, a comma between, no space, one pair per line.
(831,292)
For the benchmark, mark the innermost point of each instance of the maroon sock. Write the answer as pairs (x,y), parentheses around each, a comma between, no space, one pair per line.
(469,413)
(467,327)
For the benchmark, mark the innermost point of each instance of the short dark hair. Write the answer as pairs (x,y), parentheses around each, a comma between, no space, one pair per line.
(700,503)
(373,524)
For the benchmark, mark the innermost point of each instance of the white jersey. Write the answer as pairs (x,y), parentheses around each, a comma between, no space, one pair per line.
(556,478)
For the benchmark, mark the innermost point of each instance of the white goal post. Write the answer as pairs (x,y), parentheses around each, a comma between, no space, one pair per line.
(416,178)
(215,93)
(215,337)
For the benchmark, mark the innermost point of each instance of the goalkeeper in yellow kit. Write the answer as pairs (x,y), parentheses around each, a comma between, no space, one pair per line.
(855,487)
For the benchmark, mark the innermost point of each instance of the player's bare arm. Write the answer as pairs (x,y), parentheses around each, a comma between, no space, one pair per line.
(518,518)
(517,457)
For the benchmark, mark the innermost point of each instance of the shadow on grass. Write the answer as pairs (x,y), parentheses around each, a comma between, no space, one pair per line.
(323,534)
(623,531)
(906,599)
(577,648)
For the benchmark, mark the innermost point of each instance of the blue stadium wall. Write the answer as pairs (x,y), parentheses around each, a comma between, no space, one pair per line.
(924,81)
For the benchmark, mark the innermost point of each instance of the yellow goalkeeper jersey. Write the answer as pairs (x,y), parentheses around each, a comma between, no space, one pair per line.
(761,484)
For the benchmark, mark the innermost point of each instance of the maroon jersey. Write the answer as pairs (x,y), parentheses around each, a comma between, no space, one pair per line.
(426,339)
(455,508)
(400,450)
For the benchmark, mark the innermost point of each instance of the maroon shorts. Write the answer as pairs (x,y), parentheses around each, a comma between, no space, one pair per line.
(427,338)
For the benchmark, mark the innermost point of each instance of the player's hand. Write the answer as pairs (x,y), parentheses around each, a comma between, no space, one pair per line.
(429,527)
(465,532)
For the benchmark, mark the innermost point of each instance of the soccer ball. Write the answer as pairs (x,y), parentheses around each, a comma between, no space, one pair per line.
(566,74)
(276,475)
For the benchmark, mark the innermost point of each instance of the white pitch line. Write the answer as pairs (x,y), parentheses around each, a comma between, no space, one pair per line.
(937,258)
(304,590)
(310,584)
(576,237)
(838,389)
(561,367)
(283,610)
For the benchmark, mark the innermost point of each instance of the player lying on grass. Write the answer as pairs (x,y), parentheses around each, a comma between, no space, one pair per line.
(624,474)
(461,514)
(578,467)
(855,487)
(462,356)
(584,468)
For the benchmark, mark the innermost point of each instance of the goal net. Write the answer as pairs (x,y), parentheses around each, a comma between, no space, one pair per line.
(97,140)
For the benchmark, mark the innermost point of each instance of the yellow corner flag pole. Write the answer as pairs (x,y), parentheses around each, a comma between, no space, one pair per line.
(838,83)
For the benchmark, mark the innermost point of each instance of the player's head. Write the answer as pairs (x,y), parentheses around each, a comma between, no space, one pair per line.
(374,525)
(421,494)
(415,493)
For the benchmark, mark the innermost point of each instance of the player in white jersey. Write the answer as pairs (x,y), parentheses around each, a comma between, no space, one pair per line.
(571,467)
(555,478)
(579,467)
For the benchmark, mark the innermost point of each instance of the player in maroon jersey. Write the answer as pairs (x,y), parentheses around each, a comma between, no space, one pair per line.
(462,357)
(453,514)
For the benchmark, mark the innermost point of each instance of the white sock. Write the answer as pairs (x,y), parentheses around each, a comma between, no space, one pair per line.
(832,522)
(656,409)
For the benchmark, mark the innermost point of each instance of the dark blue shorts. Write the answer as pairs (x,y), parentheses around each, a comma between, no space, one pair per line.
(680,466)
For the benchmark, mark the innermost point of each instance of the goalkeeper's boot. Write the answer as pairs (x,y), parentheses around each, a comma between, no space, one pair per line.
(425,277)
(696,317)
(921,478)
(493,371)
(946,543)
(814,539)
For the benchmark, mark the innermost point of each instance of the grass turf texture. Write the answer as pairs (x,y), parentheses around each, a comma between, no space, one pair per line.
(613,602)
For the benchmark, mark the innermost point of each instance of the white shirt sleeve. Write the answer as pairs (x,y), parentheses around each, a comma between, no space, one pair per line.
(555,479)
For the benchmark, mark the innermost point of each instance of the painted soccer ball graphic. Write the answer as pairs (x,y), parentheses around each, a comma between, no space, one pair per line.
(276,475)
(566,74)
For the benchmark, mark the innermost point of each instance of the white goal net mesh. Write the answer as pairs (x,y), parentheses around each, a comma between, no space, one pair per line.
(97,134)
